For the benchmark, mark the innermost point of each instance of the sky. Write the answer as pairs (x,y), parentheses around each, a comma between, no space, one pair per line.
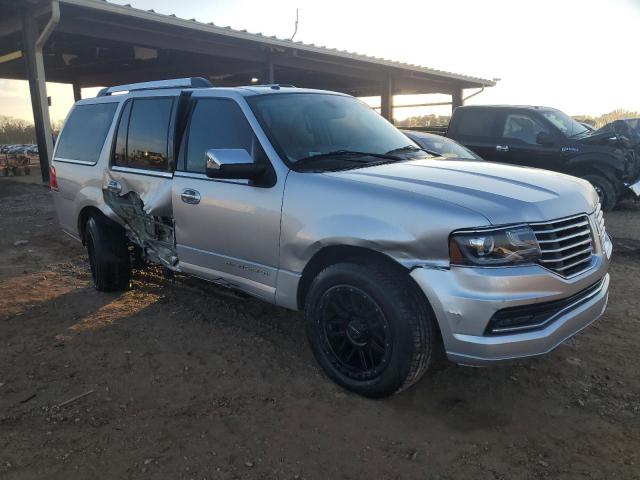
(580,56)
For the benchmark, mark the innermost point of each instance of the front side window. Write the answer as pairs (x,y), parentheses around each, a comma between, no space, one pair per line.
(307,125)
(143,134)
(85,131)
(219,124)
(522,127)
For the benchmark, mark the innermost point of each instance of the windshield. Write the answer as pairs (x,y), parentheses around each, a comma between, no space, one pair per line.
(442,146)
(308,125)
(565,123)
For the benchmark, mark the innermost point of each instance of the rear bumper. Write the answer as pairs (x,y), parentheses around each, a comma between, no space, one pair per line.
(465,300)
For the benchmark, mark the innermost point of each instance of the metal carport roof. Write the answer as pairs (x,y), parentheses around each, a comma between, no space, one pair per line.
(96,43)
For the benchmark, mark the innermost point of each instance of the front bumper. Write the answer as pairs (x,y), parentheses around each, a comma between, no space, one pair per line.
(635,188)
(465,299)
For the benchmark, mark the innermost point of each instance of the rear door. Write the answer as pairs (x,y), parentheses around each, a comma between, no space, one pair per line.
(142,159)
(518,144)
(476,129)
(226,230)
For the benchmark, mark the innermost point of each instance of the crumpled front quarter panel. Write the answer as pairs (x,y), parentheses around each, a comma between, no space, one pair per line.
(322,210)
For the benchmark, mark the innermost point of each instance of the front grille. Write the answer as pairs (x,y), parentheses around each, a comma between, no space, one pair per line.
(566,244)
(537,316)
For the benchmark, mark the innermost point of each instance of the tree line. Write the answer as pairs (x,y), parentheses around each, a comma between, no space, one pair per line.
(16,130)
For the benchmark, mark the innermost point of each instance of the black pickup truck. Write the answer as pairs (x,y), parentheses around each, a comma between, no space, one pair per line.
(547,138)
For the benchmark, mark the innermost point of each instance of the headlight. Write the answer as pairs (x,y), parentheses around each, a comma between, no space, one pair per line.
(505,246)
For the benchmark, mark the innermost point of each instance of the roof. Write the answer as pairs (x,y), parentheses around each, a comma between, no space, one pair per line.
(103,5)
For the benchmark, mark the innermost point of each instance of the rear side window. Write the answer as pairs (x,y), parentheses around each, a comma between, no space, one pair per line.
(85,131)
(219,124)
(475,123)
(142,140)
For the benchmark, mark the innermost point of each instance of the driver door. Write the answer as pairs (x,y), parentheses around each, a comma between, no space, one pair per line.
(518,142)
(226,230)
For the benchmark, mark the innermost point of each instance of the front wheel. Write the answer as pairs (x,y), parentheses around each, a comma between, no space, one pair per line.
(605,190)
(369,328)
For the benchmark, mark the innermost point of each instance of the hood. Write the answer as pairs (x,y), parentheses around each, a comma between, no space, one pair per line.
(619,133)
(501,193)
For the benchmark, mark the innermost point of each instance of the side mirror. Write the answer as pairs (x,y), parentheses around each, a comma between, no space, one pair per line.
(544,138)
(232,163)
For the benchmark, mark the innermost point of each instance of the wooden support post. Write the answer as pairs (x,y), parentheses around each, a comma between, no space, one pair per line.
(268,71)
(271,74)
(386,99)
(34,63)
(77,91)
(457,99)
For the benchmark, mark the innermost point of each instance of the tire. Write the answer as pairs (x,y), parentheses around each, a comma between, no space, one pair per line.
(606,191)
(388,308)
(108,255)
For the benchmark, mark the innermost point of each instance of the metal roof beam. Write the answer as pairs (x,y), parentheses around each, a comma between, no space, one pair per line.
(157,39)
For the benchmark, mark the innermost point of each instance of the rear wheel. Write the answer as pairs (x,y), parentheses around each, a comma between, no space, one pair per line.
(605,189)
(369,328)
(108,255)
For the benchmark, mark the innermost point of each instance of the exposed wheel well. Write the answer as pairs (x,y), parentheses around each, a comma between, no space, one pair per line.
(83,217)
(340,253)
(346,253)
(603,171)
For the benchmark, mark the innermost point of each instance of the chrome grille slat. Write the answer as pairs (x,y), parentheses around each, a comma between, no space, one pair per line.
(559,229)
(571,265)
(568,237)
(567,257)
(566,244)
(568,247)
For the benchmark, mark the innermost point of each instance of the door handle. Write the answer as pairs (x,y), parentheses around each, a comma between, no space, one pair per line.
(114,186)
(502,148)
(190,196)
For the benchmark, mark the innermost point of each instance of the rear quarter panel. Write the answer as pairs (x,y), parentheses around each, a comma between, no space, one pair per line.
(80,184)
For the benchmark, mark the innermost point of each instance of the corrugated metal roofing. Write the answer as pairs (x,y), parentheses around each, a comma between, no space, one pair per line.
(151,15)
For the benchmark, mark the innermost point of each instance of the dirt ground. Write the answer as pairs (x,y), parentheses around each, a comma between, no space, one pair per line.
(187,381)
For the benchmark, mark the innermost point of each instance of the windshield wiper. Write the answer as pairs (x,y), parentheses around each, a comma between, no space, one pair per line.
(347,155)
(580,133)
(413,148)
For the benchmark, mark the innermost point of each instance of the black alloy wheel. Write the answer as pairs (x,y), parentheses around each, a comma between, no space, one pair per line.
(370,327)
(356,332)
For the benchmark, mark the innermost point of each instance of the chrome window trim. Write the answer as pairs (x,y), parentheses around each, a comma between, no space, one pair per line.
(202,176)
(140,171)
(71,160)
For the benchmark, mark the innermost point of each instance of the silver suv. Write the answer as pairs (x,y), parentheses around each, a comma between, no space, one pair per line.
(310,200)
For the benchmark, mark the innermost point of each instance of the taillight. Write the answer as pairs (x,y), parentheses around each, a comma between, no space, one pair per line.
(53,179)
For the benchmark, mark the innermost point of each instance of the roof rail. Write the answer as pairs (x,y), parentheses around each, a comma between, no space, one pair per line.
(193,82)
(275,86)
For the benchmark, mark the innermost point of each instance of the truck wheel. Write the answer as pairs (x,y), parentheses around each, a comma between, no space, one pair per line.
(369,328)
(606,191)
(108,255)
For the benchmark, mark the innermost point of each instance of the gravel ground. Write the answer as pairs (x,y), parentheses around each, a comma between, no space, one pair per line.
(184,380)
